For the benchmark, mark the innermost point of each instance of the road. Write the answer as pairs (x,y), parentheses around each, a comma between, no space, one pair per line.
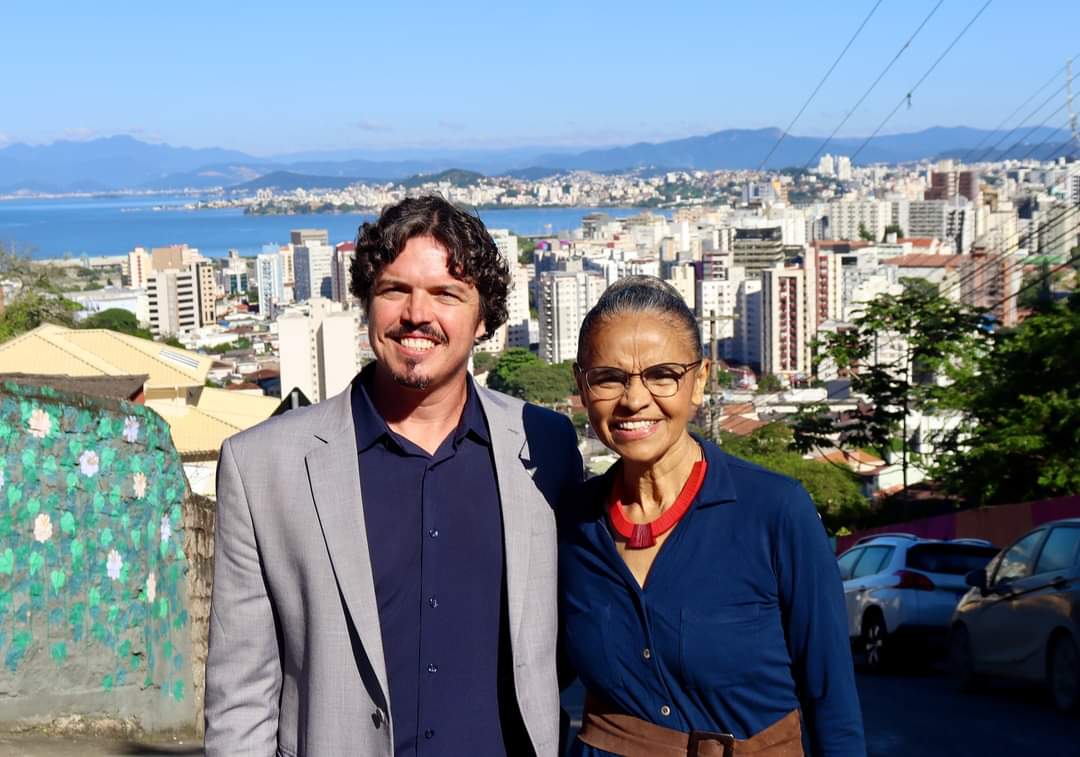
(916,713)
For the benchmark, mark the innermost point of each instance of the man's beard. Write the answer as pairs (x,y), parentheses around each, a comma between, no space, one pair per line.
(410,379)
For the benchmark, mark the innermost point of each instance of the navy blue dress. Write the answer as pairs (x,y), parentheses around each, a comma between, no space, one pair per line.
(740,621)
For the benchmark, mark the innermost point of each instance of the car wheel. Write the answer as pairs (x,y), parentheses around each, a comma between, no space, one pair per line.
(1063,674)
(874,642)
(961,660)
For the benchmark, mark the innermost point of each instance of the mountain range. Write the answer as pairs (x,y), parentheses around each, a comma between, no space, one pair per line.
(125,163)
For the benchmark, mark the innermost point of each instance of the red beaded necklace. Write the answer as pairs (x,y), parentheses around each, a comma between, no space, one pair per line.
(643,535)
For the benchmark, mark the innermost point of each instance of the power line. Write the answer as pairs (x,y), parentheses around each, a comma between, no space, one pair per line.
(1037,280)
(821,83)
(866,94)
(1046,139)
(1010,267)
(910,92)
(1030,115)
(1019,107)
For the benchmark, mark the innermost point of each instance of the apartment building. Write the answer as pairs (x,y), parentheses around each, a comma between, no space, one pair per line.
(564,299)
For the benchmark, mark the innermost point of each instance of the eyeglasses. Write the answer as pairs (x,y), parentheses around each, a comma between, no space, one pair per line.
(662,379)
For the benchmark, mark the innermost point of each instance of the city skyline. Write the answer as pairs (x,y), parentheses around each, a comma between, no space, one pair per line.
(487,76)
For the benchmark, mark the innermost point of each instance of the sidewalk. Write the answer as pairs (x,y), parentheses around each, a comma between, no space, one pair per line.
(38,745)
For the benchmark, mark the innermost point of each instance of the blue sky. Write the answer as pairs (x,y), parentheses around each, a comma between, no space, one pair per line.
(271,78)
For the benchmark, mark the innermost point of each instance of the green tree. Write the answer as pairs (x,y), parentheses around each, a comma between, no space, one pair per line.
(1020,435)
(526,250)
(834,489)
(864,233)
(896,355)
(520,373)
(724,378)
(37,299)
(483,361)
(172,341)
(768,383)
(891,229)
(116,319)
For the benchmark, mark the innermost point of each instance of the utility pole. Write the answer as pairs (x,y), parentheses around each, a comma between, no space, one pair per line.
(713,350)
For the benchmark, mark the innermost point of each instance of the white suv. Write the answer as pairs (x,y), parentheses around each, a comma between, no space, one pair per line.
(900,588)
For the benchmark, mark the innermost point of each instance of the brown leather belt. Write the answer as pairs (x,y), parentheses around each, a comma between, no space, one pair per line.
(615,732)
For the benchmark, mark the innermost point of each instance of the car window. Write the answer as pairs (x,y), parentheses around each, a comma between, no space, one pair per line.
(847,562)
(1059,552)
(872,561)
(1017,561)
(951,559)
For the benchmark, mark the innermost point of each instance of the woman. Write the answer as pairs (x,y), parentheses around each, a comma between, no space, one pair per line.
(701,602)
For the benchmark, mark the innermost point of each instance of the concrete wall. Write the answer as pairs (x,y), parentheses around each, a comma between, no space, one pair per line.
(99,599)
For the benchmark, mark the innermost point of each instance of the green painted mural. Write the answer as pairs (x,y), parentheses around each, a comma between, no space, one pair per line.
(93,573)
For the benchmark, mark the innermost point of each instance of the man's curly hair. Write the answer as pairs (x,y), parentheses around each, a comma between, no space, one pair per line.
(473,256)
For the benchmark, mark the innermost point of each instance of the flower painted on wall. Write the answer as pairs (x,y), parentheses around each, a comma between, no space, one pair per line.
(131,429)
(138,482)
(89,463)
(43,527)
(40,423)
(151,587)
(166,528)
(114,564)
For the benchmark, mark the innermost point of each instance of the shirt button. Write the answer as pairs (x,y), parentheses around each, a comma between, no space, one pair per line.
(433,532)
(665,710)
(646,653)
(429,734)
(377,718)
(433,602)
(433,668)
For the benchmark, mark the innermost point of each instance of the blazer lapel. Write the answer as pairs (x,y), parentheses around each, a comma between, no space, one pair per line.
(512,465)
(334,473)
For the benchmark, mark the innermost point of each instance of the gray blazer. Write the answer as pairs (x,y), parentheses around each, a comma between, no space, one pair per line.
(296,659)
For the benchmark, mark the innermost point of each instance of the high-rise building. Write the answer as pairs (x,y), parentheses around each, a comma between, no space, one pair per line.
(682,277)
(948,183)
(341,274)
(270,282)
(565,298)
(843,168)
(181,299)
(507,244)
(313,263)
(319,344)
(140,267)
(826,166)
(848,219)
(174,256)
(747,348)
(300,237)
(517,307)
(717,301)
(785,341)
(758,249)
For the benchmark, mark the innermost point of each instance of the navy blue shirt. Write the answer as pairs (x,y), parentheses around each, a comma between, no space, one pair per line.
(741,620)
(434,529)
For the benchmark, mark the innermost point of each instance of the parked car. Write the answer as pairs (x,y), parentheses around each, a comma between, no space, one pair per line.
(901,591)
(1021,619)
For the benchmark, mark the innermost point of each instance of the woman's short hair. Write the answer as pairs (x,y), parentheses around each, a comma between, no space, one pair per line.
(640,294)
(472,254)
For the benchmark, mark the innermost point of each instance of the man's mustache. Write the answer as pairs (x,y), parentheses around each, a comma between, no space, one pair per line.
(424,329)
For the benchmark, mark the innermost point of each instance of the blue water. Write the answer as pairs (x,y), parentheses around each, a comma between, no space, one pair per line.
(116,225)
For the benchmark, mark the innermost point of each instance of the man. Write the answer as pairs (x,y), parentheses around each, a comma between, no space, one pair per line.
(384,577)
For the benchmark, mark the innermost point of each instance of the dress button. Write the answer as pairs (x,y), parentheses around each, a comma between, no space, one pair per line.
(433,602)
(429,734)
(433,668)
(665,710)
(646,653)
(433,532)
(377,719)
